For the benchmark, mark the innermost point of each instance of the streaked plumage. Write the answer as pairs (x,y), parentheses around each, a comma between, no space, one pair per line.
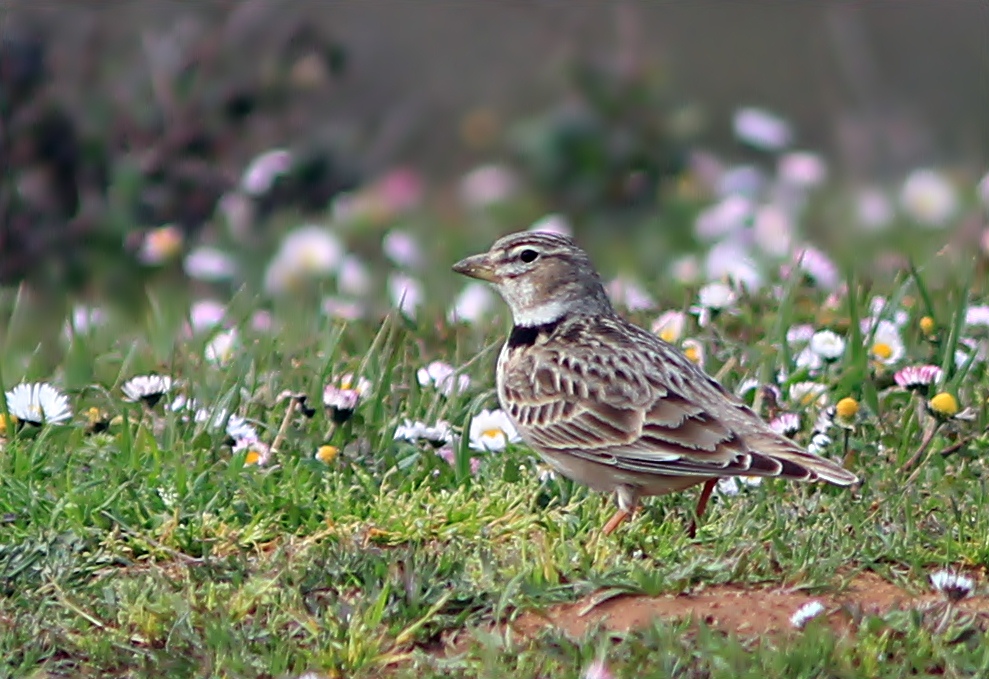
(609,404)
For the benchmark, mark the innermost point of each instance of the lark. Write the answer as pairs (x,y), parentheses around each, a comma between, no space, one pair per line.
(607,403)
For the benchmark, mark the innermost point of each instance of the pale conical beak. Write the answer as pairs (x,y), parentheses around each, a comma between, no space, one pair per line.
(477,266)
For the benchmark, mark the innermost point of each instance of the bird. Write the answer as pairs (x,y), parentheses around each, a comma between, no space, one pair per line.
(609,404)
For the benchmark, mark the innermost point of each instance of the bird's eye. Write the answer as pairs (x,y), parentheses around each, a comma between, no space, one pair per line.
(528,256)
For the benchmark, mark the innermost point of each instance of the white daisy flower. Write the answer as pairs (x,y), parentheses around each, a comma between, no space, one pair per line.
(669,326)
(487,185)
(406,293)
(306,253)
(222,348)
(598,670)
(797,334)
(953,586)
(716,296)
(731,260)
(553,223)
(85,318)
(731,486)
(209,264)
(809,360)
(802,169)
(694,351)
(38,403)
(344,309)
(805,394)
(146,388)
(238,428)
(827,344)
(806,613)
(918,377)
(340,400)
(729,215)
(929,198)
(443,377)
(205,314)
(977,315)
(256,452)
(786,424)
(437,434)
(886,346)
(762,129)
(402,248)
(160,245)
(818,266)
(492,431)
(773,231)
(630,294)
(261,173)
(472,304)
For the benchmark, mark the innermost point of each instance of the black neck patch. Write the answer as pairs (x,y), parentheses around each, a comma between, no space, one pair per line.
(526,335)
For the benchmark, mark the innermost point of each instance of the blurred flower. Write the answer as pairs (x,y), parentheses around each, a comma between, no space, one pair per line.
(598,670)
(953,586)
(761,129)
(802,332)
(262,321)
(406,293)
(85,318)
(630,294)
(436,434)
(918,377)
(669,326)
(261,173)
(807,394)
(472,304)
(491,430)
(402,248)
(255,451)
(873,208)
(38,403)
(553,223)
(686,270)
(148,389)
(341,399)
(742,180)
(829,345)
(773,230)
(487,185)
(928,198)
(399,190)
(943,405)
(160,245)
(238,214)
(307,252)
(817,266)
(802,169)
(809,360)
(712,298)
(977,315)
(846,412)
(723,218)
(209,264)
(983,190)
(206,314)
(694,351)
(344,309)
(443,376)
(353,277)
(730,260)
(729,486)
(886,345)
(237,427)
(927,326)
(806,613)
(326,453)
(785,424)
(880,307)
(221,348)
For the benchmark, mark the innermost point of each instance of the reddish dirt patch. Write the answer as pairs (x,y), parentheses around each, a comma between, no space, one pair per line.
(752,612)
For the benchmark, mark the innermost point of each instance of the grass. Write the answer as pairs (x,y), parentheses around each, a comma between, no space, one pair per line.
(151,549)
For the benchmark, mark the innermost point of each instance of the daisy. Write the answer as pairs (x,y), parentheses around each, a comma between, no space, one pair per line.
(669,326)
(402,248)
(326,453)
(729,215)
(209,264)
(928,198)
(918,377)
(598,670)
(222,347)
(307,252)
(817,266)
(344,309)
(773,231)
(437,434)
(147,389)
(730,486)
(806,613)
(491,430)
(886,346)
(802,169)
(808,360)
(262,172)
(406,293)
(694,351)
(828,345)
(977,315)
(873,209)
(761,129)
(945,406)
(846,413)
(38,403)
(160,245)
(85,318)
(806,394)
(255,452)
(205,314)
(237,428)
(353,276)
(340,400)
(953,586)
(785,424)
(880,307)
(553,223)
(797,334)
(629,294)
(731,260)
(472,304)
(442,376)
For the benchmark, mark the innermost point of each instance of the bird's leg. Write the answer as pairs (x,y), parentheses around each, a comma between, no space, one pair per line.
(701,505)
(615,521)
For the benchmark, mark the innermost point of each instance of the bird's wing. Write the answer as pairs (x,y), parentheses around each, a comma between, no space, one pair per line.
(652,414)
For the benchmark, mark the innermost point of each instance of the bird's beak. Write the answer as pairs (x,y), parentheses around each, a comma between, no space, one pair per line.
(477,266)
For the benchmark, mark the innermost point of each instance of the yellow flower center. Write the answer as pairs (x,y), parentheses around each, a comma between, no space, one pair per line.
(253,457)
(944,404)
(693,353)
(927,325)
(492,433)
(3,424)
(327,453)
(882,350)
(667,335)
(847,408)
